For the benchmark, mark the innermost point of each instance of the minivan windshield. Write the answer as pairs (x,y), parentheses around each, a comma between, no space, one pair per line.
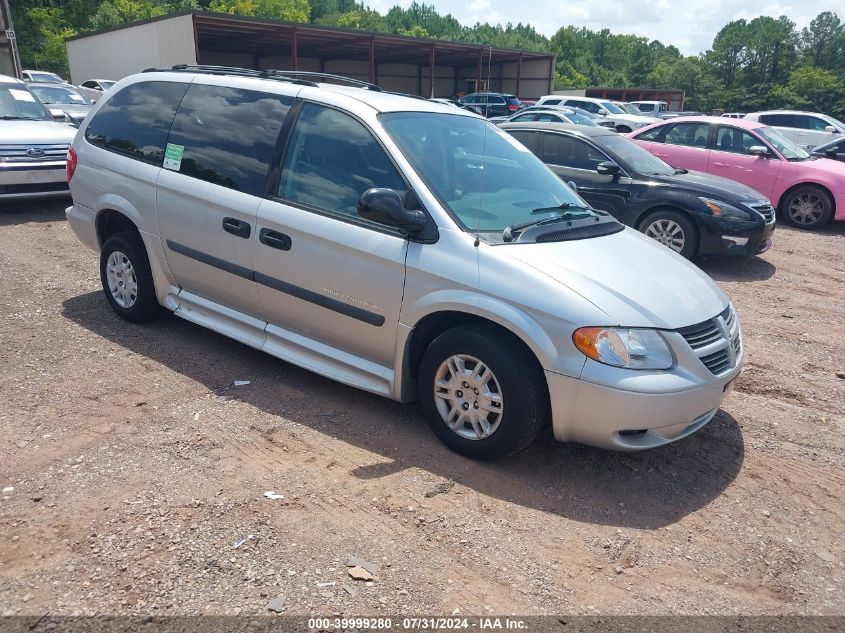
(481,174)
(787,148)
(18,103)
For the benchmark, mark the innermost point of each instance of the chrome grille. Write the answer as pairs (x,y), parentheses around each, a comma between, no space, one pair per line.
(766,210)
(30,153)
(717,341)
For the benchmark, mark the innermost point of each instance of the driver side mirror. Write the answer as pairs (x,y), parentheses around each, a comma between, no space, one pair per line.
(385,206)
(830,129)
(572,185)
(607,168)
(761,151)
(831,151)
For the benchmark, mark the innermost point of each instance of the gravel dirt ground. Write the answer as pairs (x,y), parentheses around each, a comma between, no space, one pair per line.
(132,468)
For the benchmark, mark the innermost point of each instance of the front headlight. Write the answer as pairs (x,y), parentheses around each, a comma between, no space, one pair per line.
(624,347)
(724,210)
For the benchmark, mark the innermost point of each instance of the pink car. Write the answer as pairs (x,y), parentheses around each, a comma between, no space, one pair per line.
(807,191)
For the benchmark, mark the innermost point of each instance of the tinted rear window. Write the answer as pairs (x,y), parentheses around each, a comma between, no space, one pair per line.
(136,120)
(229,135)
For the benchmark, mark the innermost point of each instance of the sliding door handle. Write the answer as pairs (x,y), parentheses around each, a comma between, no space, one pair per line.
(237,227)
(274,239)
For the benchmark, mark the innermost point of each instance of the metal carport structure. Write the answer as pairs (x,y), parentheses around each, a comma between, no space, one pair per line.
(395,62)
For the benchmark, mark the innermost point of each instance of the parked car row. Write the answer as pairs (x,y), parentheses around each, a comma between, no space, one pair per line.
(808,191)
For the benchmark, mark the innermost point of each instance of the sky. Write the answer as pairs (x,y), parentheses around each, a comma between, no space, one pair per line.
(690,25)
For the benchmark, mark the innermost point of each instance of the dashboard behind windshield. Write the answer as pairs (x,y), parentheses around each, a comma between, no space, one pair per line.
(16,102)
(483,176)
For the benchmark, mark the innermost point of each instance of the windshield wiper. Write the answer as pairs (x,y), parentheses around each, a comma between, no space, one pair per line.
(511,229)
(563,206)
(681,171)
(9,117)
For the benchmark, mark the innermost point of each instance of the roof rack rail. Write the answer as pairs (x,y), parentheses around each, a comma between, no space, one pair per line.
(314,75)
(269,73)
(232,71)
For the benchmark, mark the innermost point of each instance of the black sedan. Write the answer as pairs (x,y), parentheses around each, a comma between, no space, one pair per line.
(690,212)
(834,149)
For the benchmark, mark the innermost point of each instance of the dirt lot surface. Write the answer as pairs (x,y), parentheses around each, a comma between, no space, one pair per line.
(137,467)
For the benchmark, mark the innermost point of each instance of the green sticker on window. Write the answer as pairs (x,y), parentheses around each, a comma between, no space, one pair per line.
(173,156)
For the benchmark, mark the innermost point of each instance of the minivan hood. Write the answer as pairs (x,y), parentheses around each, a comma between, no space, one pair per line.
(710,185)
(35,133)
(629,277)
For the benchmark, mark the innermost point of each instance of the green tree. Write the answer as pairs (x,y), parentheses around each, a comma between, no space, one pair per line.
(820,87)
(288,10)
(727,55)
(822,41)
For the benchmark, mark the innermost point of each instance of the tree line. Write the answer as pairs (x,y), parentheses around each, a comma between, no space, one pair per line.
(752,64)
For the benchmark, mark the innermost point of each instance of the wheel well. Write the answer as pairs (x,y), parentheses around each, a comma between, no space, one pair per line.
(433,325)
(806,184)
(111,222)
(664,207)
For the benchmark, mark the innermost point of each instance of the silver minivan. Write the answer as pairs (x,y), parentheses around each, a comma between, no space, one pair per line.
(405,247)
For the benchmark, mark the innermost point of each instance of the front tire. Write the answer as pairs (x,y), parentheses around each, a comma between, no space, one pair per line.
(483,394)
(672,229)
(127,279)
(807,207)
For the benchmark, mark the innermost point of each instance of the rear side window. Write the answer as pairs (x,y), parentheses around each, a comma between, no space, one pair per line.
(654,134)
(781,120)
(332,159)
(566,151)
(645,107)
(552,102)
(229,135)
(529,139)
(136,120)
(688,134)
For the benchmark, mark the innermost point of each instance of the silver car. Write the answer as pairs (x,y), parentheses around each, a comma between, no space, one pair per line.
(62,100)
(33,147)
(401,246)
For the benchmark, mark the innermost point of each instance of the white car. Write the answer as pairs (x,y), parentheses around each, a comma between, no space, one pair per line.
(42,76)
(651,107)
(33,147)
(807,129)
(622,121)
(94,88)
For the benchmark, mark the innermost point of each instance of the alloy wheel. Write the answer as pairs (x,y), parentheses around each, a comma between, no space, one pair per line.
(667,232)
(806,208)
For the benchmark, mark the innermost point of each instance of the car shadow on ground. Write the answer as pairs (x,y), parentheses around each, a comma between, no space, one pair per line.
(644,490)
(23,211)
(737,268)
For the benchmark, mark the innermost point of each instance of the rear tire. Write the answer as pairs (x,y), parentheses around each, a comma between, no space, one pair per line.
(672,229)
(489,386)
(127,279)
(807,207)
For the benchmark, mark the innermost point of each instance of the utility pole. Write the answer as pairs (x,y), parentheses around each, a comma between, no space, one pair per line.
(10,61)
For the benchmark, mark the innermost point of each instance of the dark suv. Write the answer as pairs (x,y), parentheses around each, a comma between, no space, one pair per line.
(492,103)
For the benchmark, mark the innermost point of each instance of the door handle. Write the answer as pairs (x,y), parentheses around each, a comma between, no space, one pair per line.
(721,165)
(274,239)
(237,227)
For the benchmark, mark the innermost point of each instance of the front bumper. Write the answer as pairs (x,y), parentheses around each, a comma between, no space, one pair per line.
(727,238)
(631,410)
(33,180)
